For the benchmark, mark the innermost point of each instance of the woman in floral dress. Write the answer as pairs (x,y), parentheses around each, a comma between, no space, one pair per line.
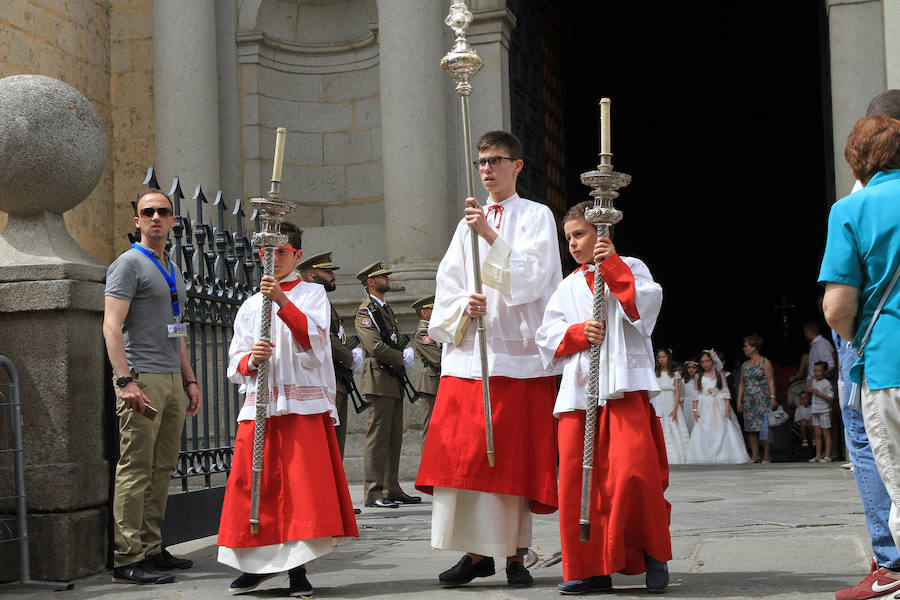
(756,392)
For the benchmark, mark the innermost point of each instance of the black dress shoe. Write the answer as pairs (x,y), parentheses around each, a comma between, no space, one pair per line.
(464,571)
(166,562)
(140,572)
(248,581)
(356,511)
(382,503)
(517,575)
(405,499)
(657,577)
(300,586)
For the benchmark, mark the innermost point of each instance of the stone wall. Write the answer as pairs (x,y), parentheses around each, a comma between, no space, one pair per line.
(70,42)
(131,93)
(313,68)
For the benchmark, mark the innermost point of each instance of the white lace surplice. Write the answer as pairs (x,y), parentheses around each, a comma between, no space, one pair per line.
(520,271)
(305,376)
(626,355)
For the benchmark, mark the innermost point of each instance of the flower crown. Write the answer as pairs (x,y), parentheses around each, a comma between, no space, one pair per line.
(715,358)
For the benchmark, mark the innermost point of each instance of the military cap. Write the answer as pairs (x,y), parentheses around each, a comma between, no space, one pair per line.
(323,260)
(423,302)
(373,270)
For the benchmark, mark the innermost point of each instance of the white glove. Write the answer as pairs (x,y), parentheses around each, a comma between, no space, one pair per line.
(357,361)
(409,358)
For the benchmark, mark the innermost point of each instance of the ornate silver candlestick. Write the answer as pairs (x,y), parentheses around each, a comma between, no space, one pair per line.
(463,63)
(604,184)
(269,237)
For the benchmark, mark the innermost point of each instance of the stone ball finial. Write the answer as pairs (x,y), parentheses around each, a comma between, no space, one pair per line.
(52,145)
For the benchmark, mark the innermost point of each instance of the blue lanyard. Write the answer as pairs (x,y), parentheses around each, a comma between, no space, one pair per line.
(170,278)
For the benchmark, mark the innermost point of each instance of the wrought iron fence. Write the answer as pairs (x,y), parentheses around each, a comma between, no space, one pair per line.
(221,271)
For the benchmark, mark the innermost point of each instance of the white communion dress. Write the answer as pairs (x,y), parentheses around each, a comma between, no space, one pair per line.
(675,431)
(716,437)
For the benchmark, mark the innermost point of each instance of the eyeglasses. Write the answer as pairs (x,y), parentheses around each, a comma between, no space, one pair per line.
(279,252)
(494,161)
(164,212)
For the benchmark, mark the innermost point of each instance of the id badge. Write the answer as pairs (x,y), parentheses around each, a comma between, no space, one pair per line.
(176,330)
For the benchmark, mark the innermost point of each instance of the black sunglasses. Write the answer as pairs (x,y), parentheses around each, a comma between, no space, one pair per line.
(163,211)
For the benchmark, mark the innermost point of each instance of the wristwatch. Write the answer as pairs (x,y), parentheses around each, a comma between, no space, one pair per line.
(123,381)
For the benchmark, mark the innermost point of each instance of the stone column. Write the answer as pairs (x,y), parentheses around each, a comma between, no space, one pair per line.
(185,94)
(857,72)
(51,307)
(891,10)
(414,141)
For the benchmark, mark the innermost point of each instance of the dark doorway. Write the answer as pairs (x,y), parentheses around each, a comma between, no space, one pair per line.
(722,117)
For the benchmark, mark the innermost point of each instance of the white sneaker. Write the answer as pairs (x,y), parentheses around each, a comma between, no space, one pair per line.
(847,465)
(804,444)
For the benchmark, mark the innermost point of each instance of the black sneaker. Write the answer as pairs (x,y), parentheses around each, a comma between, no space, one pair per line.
(248,581)
(657,577)
(300,586)
(464,571)
(598,583)
(166,562)
(517,575)
(141,573)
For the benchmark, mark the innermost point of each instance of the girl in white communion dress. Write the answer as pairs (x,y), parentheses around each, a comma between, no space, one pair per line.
(668,407)
(716,437)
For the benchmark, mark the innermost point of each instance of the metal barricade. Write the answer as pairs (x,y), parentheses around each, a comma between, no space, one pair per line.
(14,529)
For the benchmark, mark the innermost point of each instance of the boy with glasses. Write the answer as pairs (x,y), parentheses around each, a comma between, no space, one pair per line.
(481,510)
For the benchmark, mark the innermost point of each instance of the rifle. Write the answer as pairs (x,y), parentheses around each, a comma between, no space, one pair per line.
(406,385)
(346,376)
(408,390)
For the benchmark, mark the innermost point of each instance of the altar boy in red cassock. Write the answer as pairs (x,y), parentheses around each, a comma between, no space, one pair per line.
(481,510)
(304,506)
(629,515)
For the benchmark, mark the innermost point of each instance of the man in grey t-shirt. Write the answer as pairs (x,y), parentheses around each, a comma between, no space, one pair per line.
(145,297)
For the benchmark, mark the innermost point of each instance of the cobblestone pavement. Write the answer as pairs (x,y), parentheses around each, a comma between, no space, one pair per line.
(789,530)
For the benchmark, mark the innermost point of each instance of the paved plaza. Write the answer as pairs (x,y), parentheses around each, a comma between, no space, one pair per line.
(788,530)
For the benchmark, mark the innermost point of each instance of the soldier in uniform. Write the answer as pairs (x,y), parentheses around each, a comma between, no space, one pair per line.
(429,353)
(320,269)
(378,332)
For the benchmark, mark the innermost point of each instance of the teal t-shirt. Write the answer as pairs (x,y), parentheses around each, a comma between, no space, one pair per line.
(863,250)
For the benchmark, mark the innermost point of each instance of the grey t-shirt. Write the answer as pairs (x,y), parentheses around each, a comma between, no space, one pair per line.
(136,278)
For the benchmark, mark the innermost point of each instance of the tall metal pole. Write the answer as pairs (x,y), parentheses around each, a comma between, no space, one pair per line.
(463,63)
(604,183)
(268,238)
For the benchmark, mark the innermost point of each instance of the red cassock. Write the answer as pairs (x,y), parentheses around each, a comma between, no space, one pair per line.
(455,452)
(629,514)
(304,491)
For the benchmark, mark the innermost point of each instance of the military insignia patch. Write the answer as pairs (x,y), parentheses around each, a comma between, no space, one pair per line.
(426,339)
(367,322)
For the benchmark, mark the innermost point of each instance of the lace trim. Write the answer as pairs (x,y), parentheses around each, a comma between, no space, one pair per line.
(293,393)
(632,361)
(526,347)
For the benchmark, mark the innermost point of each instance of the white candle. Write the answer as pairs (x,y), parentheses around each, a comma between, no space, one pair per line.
(604,126)
(279,153)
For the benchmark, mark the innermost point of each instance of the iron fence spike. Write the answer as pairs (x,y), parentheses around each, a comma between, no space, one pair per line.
(150,179)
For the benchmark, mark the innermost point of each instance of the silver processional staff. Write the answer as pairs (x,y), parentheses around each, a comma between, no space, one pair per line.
(269,237)
(604,183)
(463,63)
